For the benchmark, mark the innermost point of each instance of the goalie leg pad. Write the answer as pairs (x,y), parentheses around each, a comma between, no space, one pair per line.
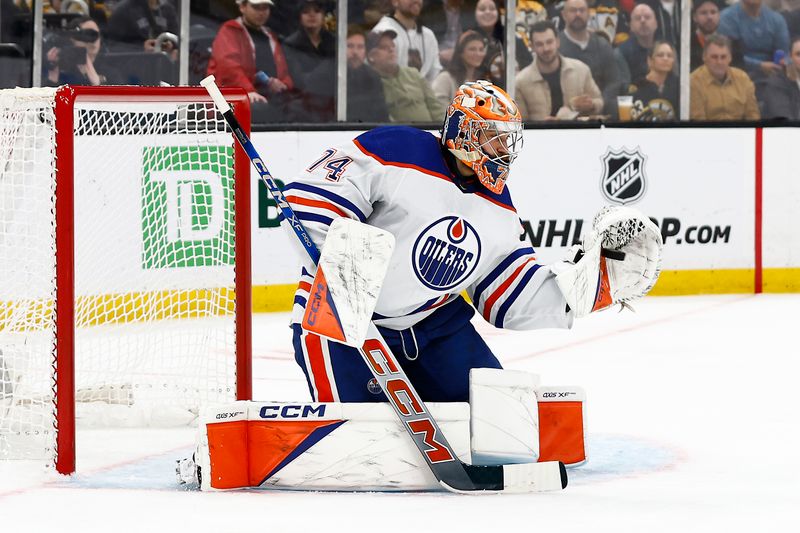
(319,446)
(223,448)
(562,428)
(504,421)
(515,420)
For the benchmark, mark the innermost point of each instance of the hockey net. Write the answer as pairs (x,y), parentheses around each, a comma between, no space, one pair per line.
(148,318)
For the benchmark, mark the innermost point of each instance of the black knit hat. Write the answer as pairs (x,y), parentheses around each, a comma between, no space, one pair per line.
(719,3)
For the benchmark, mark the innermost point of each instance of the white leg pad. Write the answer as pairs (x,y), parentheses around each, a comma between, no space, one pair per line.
(505,422)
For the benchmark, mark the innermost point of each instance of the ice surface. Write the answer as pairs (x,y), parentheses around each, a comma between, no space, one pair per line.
(693,426)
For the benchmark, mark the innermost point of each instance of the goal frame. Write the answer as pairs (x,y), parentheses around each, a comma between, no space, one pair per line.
(65,99)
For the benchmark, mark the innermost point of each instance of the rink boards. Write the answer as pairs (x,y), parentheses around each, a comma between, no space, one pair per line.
(724,198)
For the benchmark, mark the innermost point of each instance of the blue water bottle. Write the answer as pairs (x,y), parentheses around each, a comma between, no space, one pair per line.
(778,57)
(262,77)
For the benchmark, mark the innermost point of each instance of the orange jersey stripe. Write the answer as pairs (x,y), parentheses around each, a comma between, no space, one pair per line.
(316,203)
(304,285)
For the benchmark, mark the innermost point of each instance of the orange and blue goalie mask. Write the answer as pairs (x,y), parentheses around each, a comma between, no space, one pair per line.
(483,129)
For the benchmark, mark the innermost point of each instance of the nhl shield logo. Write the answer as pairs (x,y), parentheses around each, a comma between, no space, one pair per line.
(623,180)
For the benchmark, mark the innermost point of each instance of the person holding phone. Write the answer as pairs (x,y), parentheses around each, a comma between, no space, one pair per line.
(78,57)
(782,92)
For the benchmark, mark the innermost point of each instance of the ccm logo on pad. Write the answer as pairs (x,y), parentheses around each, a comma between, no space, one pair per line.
(292,411)
(320,289)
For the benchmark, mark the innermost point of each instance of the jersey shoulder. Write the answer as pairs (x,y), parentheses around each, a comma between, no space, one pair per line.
(501,200)
(407,147)
(404,146)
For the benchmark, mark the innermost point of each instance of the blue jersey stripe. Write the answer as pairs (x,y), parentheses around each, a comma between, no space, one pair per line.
(333,197)
(498,270)
(424,306)
(405,146)
(300,301)
(501,313)
(421,308)
(313,217)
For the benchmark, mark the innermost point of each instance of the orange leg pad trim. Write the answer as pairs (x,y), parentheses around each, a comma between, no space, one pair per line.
(561,432)
(245,453)
(227,448)
(273,442)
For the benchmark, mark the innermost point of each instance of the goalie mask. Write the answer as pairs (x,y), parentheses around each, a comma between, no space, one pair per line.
(483,130)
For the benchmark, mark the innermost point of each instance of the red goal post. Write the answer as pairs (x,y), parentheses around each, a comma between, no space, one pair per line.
(115,118)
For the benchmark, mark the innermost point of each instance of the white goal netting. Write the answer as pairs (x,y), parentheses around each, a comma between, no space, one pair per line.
(154,251)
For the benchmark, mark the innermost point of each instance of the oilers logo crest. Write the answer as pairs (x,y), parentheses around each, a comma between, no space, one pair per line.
(446,253)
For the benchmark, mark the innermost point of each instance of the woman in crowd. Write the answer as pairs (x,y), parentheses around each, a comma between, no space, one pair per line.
(488,24)
(82,63)
(311,54)
(656,97)
(465,65)
(782,91)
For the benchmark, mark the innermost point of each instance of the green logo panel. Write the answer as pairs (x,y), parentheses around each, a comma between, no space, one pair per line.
(268,212)
(187,206)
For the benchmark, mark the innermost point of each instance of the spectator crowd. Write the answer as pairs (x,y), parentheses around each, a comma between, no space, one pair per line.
(85,42)
(573,59)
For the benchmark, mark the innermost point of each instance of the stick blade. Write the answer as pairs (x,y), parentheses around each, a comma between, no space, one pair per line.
(547,476)
(348,281)
(535,477)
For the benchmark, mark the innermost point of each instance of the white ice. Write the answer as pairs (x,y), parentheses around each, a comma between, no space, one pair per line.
(693,426)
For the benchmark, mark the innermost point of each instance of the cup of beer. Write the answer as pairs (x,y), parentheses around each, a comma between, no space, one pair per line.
(624,106)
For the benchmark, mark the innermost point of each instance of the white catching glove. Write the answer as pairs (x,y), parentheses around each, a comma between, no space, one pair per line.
(618,261)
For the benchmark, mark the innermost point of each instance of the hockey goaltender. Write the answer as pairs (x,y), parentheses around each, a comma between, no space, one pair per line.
(406,395)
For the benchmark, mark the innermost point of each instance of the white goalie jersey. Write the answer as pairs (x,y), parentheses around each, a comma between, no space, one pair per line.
(450,236)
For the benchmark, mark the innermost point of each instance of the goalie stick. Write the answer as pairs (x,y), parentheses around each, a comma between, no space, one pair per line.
(451,473)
